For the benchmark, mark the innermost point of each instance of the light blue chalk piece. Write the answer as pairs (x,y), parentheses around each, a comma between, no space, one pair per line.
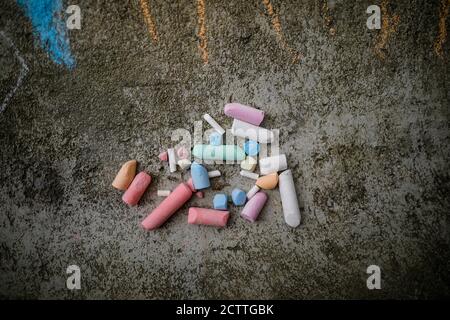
(220,201)
(251,148)
(48,20)
(215,139)
(199,176)
(239,197)
(223,152)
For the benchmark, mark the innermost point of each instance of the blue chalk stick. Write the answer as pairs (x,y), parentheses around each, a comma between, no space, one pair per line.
(215,139)
(251,148)
(199,176)
(239,197)
(220,201)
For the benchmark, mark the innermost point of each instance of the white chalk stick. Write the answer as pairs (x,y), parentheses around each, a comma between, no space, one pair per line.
(214,174)
(249,174)
(184,164)
(289,201)
(163,193)
(252,132)
(252,191)
(172,160)
(213,123)
(272,164)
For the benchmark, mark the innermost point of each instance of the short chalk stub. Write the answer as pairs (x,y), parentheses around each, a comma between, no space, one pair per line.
(268,182)
(244,113)
(254,206)
(163,193)
(172,160)
(125,175)
(289,201)
(137,188)
(251,148)
(214,174)
(215,139)
(249,164)
(209,217)
(200,176)
(252,191)
(239,197)
(213,123)
(220,201)
(184,164)
(273,164)
(249,174)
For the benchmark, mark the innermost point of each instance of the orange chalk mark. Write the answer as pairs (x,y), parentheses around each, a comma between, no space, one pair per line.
(389,25)
(276,24)
(203,45)
(442,36)
(149,20)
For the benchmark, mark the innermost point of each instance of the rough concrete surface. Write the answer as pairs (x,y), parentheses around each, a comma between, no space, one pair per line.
(367,139)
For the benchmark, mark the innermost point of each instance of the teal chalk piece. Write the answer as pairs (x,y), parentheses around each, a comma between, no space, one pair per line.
(200,177)
(220,201)
(215,139)
(223,152)
(239,197)
(251,148)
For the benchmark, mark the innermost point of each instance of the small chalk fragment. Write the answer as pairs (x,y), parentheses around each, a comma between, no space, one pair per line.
(289,201)
(184,164)
(199,176)
(213,123)
(172,160)
(254,206)
(239,197)
(244,113)
(125,175)
(220,201)
(209,217)
(182,153)
(249,164)
(249,174)
(214,174)
(200,194)
(222,152)
(177,198)
(163,156)
(252,132)
(273,164)
(215,139)
(136,188)
(251,148)
(252,191)
(268,182)
(163,193)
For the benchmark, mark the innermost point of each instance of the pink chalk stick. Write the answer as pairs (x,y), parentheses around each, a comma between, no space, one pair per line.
(209,217)
(199,194)
(190,183)
(254,206)
(136,188)
(244,113)
(168,207)
(163,156)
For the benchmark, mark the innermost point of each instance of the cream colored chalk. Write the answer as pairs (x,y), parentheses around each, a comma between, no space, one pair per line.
(249,174)
(184,164)
(163,193)
(249,164)
(172,160)
(214,174)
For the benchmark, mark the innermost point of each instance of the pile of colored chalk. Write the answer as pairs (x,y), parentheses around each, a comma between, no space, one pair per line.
(246,124)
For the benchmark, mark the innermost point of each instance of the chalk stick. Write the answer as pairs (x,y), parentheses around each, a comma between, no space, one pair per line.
(268,182)
(249,174)
(222,152)
(213,123)
(177,198)
(210,217)
(254,206)
(252,132)
(289,201)
(136,188)
(172,160)
(214,174)
(244,113)
(273,164)
(199,176)
(125,175)
(252,191)
(163,193)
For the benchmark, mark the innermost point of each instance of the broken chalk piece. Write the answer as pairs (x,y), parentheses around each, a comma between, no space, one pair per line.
(163,193)
(184,164)
(254,206)
(125,175)
(172,160)
(177,198)
(182,153)
(273,164)
(209,217)
(249,174)
(220,201)
(252,191)
(213,123)
(214,174)
(246,130)
(244,113)
(215,139)
(222,152)
(163,156)
(268,182)
(249,164)
(289,201)
(251,148)
(239,197)
(136,188)
(199,194)
(199,176)
(190,183)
